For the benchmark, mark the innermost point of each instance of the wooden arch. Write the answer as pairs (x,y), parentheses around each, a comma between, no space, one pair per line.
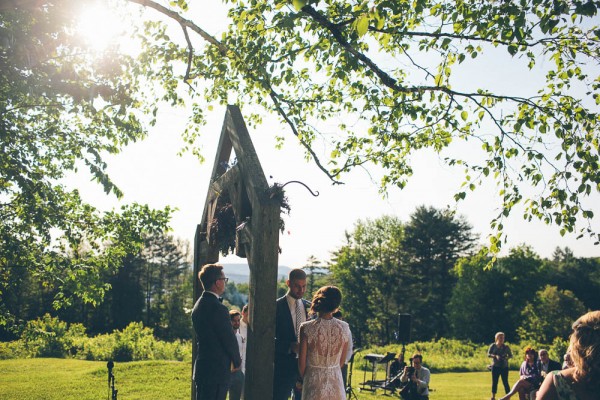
(257,217)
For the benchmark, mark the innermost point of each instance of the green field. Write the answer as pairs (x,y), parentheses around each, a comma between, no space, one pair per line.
(60,379)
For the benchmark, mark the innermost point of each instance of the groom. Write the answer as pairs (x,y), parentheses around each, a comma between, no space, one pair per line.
(291,311)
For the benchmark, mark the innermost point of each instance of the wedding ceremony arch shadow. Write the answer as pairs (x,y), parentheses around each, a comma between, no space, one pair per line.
(240,186)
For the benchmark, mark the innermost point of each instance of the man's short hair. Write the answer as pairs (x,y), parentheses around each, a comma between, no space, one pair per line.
(297,274)
(417,355)
(233,313)
(209,274)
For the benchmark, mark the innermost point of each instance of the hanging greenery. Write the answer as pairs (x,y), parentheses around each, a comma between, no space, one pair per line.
(222,228)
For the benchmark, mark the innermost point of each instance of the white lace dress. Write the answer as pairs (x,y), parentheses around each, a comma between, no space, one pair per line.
(325,342)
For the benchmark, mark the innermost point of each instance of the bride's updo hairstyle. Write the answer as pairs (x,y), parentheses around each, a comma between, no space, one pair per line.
(327,299)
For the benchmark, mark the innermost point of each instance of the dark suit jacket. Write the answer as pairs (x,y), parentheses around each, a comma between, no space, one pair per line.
(284,329)
(216,342)
(552,365)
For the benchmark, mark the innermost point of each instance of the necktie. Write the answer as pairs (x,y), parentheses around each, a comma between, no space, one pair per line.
(298,317)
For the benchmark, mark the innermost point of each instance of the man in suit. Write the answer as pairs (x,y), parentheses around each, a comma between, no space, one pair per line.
(291,311)
(217,348)
(545,364)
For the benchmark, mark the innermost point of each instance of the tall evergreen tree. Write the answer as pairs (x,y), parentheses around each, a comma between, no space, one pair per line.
(433,241)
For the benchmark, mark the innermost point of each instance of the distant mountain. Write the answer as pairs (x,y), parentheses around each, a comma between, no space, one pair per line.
(240,273)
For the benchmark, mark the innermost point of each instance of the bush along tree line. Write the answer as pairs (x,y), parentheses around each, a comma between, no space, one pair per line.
(48,336)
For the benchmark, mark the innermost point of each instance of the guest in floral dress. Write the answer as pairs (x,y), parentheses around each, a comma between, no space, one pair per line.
(582,381)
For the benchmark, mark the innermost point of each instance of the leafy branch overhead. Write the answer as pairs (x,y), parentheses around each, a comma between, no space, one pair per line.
(394,69)
(372,82)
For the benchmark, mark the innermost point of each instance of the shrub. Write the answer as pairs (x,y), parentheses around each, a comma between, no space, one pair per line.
(50,337)
(134,343)
(98,348)
(445,355)
(12,349)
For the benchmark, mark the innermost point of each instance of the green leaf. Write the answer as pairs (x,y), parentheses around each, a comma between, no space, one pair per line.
(380,21)
(362,25)
(298,4)
(464,115)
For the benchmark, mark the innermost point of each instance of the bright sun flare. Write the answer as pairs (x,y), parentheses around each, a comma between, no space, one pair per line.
(100,27)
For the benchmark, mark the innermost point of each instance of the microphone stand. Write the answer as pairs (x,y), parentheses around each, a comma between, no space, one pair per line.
(349,391)
(112,392)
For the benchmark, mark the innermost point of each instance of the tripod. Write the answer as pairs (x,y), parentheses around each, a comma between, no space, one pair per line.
(112,392)
(349,391)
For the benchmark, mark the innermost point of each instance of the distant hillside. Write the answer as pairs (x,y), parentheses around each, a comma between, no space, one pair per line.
(240,273)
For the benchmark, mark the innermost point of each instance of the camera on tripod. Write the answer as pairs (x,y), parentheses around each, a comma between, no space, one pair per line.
(410,371)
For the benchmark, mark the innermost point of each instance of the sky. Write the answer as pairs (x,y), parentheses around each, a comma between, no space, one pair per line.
(151,172)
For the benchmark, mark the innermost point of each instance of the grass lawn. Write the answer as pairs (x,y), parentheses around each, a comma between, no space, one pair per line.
(60,379)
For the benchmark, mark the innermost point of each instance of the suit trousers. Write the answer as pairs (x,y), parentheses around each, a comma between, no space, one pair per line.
(236,387)
(211,391)
(285,377)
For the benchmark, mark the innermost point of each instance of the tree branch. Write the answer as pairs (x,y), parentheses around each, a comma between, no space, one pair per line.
(224,50)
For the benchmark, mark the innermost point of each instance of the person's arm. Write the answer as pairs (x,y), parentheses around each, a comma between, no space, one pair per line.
(490,352)
(350,347)
(343,357)
(424,381)
(404,376)
(547,391)
(222,324)
(303,352)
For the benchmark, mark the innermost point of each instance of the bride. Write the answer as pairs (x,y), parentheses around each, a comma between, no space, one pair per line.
(323,346)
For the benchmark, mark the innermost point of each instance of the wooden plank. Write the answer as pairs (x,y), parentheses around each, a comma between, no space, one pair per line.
(252,172)
(263,261)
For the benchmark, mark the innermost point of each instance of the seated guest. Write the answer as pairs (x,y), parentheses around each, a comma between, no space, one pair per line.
(396,369)
(417,379)
(530,377)
(582,381)
(545,364)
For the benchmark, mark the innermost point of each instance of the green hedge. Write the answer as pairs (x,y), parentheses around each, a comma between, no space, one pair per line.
(50,337)
(450,355)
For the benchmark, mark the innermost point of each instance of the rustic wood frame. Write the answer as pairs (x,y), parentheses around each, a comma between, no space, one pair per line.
(257,217)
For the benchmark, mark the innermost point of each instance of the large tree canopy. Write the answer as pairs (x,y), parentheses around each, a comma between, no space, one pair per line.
(388,73)
(378,81)
(60,109)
